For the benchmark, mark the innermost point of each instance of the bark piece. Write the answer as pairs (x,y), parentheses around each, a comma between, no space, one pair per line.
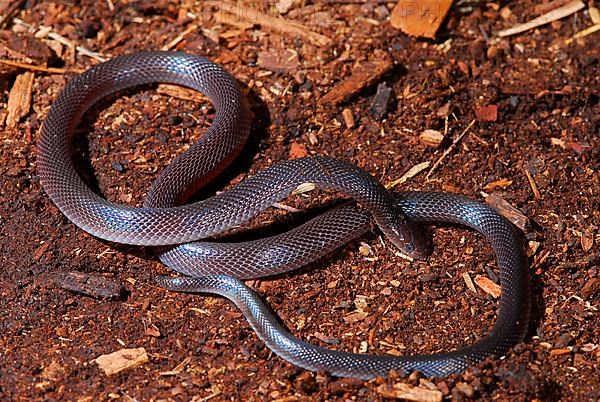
(364,75)
(95,286)
(419,18)
(19,99)
(508,211)
(488,286)
(278,62)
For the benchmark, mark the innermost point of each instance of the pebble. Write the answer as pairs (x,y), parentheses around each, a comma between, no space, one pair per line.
(117,166)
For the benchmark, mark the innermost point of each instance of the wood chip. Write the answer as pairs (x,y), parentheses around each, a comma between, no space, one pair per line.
(488,286)
(594,15)
(419,18)
(224,17)
(487,113)
(431,138)
(279,62)
(40,251)
(348,118)
(409,393)
(364,75)
(559,352)
(553,15)
(298,150)
(153,331)
(502,183)
(467,278)
(19,99)
(304,188)
(180,37)
(587,241)
(355,316)
(508,211)
(120,360)
(179,92)
(283,6)
(279,24)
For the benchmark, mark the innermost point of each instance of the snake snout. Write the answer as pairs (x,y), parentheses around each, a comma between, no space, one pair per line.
(412,239)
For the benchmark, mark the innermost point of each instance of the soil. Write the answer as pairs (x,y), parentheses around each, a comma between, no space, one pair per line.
(544,90)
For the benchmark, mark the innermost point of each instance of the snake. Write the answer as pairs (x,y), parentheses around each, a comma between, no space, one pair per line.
(181,233)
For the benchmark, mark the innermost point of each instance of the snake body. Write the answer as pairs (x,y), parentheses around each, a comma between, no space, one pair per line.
(214,267)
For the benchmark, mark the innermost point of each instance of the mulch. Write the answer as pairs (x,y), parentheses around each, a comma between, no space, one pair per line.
(511,118)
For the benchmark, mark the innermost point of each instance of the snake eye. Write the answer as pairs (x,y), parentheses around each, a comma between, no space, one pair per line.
(409,247)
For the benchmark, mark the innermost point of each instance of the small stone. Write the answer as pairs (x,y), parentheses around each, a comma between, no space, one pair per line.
(117,166)
(563,340)
(591,288)
(494,52)
(381,101)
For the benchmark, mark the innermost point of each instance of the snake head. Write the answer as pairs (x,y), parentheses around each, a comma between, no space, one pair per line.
(410,238)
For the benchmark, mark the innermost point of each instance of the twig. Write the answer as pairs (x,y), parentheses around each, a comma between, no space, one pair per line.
(180,37)
(447,151)
(536,192)
(59,38)
(553,15)
(284,207)
(584,33)
(10,12)
(51,70)
(412,172)
(272,22)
